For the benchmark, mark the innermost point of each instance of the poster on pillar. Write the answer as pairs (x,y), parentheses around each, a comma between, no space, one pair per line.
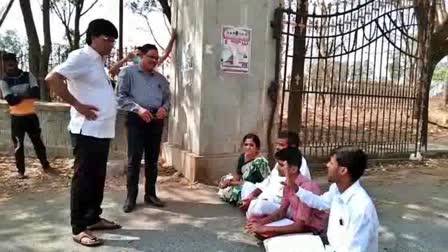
(236,48)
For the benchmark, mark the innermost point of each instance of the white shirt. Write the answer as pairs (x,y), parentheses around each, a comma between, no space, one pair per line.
(304,170)
(272,188)
(89,84)
(353,223)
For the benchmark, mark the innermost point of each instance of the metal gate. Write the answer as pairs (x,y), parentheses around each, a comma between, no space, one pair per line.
(348,72)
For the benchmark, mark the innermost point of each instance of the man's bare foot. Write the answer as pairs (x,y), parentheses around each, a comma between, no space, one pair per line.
(104,224)
(87,238)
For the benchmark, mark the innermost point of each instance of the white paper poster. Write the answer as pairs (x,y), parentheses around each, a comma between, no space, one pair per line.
(187,65)
(236,47)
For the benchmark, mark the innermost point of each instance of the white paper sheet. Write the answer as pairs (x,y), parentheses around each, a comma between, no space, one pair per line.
(294,243)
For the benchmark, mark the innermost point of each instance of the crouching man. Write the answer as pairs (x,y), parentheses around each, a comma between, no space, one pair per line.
(293,216)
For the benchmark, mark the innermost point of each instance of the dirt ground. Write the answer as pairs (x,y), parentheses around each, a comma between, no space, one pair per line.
(39,181)
(438,114)
(410,198)
(59,180)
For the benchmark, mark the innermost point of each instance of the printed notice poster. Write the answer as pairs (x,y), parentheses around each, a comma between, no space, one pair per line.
(236,43)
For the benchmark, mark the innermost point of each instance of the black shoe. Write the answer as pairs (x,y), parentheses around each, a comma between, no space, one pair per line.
(48,169)
(46,166)
(129,206)
(153,200)
(21,175)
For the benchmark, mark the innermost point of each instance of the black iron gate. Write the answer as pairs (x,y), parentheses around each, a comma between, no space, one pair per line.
(349,74)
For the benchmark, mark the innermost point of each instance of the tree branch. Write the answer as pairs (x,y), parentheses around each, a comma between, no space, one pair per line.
(152,33)
(90,7)
(139,11)
(8,7)
(167,25)
(439,41)
(71,9)
(166,8)
(57,11)
(439,49)
(61,13)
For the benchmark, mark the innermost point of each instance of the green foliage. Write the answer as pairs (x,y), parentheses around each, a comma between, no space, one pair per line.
(144,6)
(11,42)
(440,73)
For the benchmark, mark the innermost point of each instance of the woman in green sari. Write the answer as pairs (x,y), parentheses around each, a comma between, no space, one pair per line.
(252,167)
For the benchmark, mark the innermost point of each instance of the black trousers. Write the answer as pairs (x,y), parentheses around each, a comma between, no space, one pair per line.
(88,180)
(143,138)
(27,124)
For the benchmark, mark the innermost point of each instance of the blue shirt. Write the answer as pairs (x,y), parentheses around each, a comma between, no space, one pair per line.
(139,89)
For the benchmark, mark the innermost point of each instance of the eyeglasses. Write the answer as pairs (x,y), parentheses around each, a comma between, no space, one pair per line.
(108,39)
(151,57)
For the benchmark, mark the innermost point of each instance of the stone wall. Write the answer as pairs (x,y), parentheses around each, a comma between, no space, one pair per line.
(54,118)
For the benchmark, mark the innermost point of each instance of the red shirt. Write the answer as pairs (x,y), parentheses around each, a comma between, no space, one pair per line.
(298,211)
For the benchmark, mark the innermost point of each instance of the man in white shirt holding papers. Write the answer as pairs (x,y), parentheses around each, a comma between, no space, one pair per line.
(353,223)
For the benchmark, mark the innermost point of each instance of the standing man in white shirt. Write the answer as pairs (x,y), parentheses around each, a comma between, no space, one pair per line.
(353,223)
(92,126)
(264,198)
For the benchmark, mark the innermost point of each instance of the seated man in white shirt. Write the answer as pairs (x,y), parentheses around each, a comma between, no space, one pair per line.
(353,223)
(293,216)
(264,198)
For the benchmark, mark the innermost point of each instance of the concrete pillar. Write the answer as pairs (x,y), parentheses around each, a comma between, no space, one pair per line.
(212,110)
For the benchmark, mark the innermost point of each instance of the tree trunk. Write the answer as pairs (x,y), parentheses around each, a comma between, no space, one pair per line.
(445,87)
(33,39)
(46,51)
(425,13)
(68,34)
(120,31)
(298,67)
(425,106)
(76,36)
(273,90)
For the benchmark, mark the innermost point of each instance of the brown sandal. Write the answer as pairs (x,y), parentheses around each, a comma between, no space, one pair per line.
(87,239)
(104,224)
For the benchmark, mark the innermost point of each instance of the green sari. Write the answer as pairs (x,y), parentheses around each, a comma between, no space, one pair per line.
(253,171)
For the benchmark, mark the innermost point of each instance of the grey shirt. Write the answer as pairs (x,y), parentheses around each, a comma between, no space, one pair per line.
(138,89)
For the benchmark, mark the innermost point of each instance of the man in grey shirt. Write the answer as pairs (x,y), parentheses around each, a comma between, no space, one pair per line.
(145,94)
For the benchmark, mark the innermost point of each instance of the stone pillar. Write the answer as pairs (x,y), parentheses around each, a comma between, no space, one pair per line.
(212,110)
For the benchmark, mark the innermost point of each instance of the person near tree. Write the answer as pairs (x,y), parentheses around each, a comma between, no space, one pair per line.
(20,89)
